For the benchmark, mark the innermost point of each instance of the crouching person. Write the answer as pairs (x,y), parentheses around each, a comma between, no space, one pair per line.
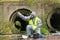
(34,23)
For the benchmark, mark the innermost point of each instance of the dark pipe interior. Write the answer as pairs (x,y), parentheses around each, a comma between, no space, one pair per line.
(23,23)
(25,12)
(55,19)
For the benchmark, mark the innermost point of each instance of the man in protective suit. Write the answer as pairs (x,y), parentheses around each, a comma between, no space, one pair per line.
(34,23)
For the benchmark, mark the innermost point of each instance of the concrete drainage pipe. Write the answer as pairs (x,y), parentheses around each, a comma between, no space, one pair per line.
(14,17)
(53,20)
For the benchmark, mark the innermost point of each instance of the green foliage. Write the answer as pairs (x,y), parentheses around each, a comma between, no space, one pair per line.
(24,32)
(8,28)
(32,2)
(44,31)
(44,25)
(18,23)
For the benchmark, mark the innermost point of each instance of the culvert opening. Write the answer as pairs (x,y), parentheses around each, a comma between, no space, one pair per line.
(55,19)
(14,17)
(23,23)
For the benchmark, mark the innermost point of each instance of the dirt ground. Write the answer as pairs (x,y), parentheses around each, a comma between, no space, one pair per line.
(18,37)
(50,37)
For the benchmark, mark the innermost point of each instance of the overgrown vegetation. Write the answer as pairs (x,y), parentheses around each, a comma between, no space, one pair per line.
(8,28)
(44,28)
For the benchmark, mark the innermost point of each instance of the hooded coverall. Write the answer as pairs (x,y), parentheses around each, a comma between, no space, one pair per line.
(35,23)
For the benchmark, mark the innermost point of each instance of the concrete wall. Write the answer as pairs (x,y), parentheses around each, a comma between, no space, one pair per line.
(7,8)
(43,9)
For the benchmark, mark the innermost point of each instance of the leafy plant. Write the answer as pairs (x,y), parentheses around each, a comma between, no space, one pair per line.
(44,31)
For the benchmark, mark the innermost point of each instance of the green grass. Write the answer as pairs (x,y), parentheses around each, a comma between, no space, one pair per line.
(8,28)
(44,29)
